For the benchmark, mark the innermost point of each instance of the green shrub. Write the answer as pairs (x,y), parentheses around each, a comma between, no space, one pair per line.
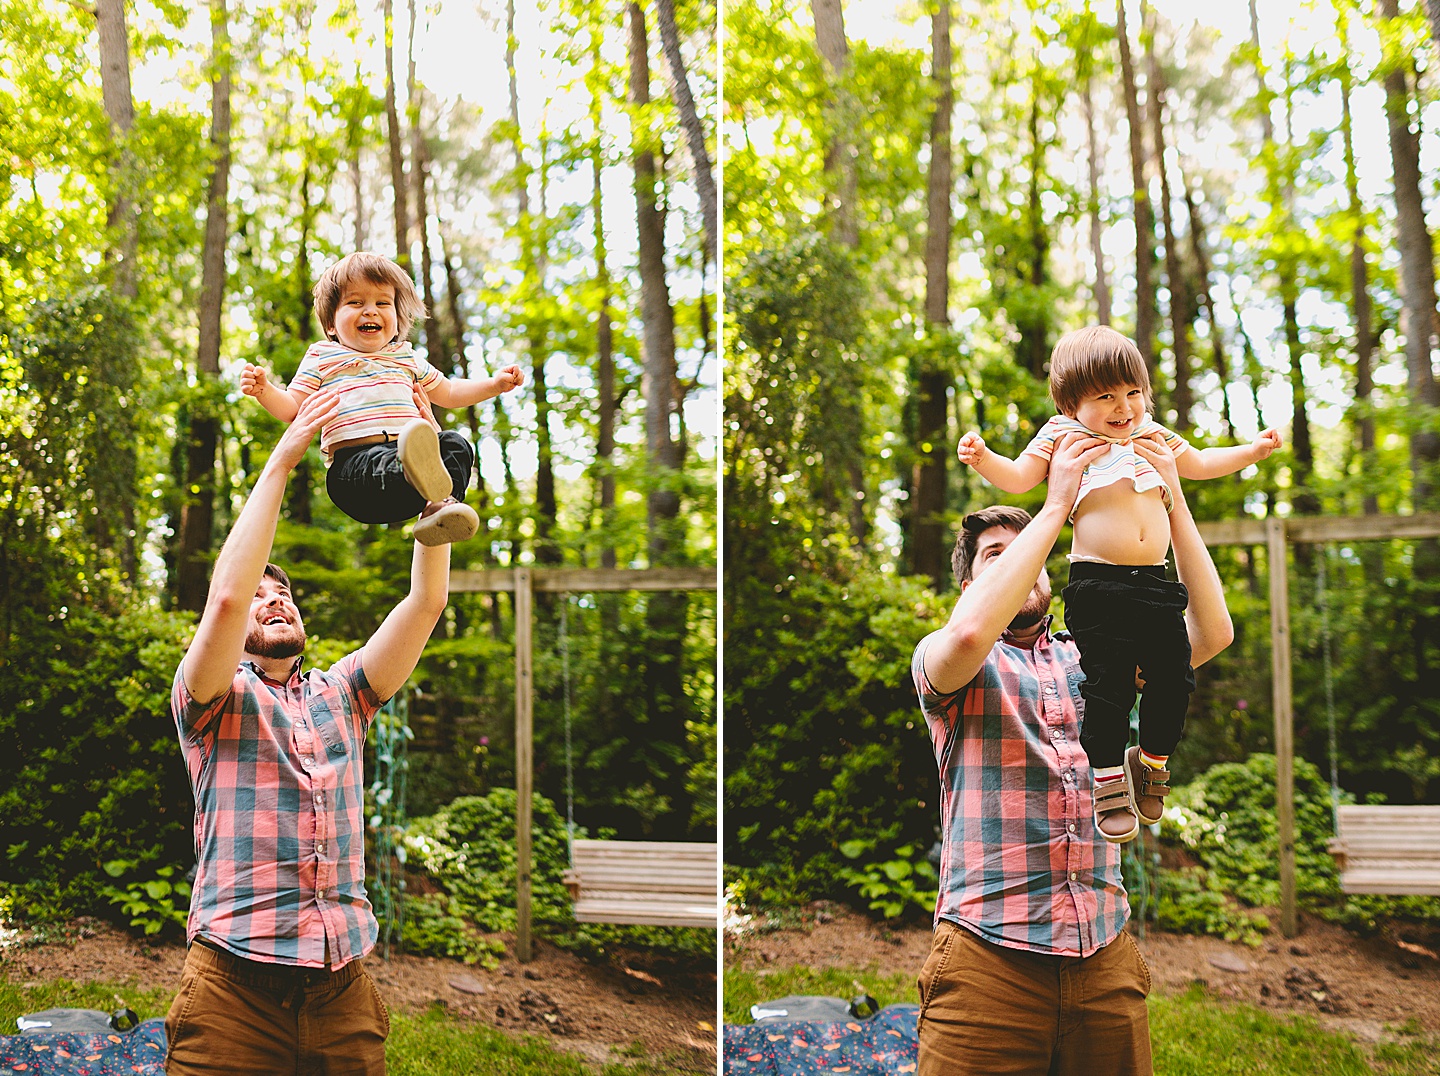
(429,928)
(906,880)
(1193,901)
(153,904)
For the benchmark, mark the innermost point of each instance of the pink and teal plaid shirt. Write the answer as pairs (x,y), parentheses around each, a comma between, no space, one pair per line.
(1021,864)
(277,770)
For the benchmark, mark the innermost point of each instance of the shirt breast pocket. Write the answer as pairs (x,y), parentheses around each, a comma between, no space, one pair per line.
(326,727)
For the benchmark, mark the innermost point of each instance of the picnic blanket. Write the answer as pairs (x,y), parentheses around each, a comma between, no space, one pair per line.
(885,1045)
(140,1052)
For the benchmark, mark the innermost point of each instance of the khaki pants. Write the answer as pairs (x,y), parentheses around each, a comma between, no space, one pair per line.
(243,1016)
(988,1009)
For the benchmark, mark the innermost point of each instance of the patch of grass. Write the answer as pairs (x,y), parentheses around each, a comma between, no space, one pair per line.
(17,1000)
(1193,1034)
(745,988)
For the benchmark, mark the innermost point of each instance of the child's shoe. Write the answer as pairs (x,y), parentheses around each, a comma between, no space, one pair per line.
(445,522)
(419,450)
(1150,787)
(1115,810)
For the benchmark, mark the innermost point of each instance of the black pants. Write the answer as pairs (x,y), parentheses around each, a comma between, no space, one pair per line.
(1124,616)
(368,484)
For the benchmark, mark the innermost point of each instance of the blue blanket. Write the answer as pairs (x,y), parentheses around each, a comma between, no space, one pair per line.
(882,1046)
(135,1053)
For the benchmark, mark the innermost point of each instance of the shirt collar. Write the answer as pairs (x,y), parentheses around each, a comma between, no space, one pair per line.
(294,669)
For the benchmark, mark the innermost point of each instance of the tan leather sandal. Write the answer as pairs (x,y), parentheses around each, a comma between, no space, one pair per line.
(1150,787)
(1115,811)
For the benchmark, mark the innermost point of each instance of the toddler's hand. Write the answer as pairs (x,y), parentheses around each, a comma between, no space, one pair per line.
(422,404)
(1268,441)
(253,380)
(510,377)
(971,449)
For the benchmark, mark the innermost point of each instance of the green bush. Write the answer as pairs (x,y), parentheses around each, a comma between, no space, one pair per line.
(468,848)
(430,928)
(90,768)
(1193,901)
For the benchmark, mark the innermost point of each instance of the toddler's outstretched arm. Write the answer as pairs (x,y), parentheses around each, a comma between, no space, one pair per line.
(254,381)
(1218,462)
(462,391)
(1013,476)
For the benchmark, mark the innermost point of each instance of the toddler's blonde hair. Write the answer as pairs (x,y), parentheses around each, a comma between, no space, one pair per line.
(377,269)
(1095,359)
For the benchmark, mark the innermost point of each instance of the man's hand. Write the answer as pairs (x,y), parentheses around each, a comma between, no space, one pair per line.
(317,410)
(1073,453)
(1268,441)
(971,449)
(1152,447)
(422,404)
(509,378)
(254,381)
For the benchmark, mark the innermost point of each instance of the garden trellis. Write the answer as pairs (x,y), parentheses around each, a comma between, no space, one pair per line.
(523,582)
(1276,534)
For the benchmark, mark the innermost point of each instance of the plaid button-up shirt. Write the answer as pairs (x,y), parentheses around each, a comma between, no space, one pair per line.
(1021,863)
(277,771)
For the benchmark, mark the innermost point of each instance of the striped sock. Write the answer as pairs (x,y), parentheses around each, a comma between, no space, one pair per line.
(1106,774)
(1155,762)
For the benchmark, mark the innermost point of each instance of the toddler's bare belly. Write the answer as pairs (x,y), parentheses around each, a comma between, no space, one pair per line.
(1118,525)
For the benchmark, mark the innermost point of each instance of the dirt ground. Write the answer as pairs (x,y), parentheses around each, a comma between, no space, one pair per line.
(1350,984)
(596,1011)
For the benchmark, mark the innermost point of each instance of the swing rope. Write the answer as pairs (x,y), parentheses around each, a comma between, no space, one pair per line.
(569,757)
(1322,594)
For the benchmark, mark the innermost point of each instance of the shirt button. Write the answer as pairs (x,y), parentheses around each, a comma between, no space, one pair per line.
(1072,827)
(1073,876)
(307,760)
(320,848)
(319,799)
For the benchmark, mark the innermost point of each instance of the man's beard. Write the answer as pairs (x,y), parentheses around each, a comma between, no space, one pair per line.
(1037,605)
(262,644)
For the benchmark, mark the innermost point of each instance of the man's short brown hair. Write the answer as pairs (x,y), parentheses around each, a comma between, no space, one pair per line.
(962,557)
(277,573)
(1092,360)
(377,269)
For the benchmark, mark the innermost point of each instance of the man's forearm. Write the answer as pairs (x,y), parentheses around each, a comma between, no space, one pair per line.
(1207,620)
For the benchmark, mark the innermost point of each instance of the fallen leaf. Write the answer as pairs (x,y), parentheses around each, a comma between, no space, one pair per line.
(703,1026)
(1418,950)
(644,976)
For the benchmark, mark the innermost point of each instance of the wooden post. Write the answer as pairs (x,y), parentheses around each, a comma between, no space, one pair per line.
(524,756)
(1284,717)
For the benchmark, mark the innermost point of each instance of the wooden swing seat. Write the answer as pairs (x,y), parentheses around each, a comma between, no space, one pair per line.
(651,883)
(1388,849)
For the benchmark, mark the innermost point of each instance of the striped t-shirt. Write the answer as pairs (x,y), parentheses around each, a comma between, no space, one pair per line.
(277,770)
(1021,863)
(1122,463)
(375,389)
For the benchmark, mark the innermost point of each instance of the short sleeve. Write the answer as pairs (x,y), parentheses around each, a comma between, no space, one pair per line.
(307,378)
(426,376)
(348,675)
(1043,443)
(193,719)
(1177,443)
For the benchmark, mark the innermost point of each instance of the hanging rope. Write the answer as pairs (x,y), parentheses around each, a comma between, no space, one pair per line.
(569,760)
(1322,594)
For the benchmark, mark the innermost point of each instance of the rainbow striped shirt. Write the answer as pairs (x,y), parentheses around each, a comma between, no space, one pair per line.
(375,389)
(1121,463)
(1021,864)
(277,770)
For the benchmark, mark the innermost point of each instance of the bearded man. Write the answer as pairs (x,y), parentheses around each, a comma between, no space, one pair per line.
(279,919)
(1031,971)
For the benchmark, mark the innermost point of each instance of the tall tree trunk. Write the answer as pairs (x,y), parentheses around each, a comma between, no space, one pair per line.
(1144,217)
(604,339)
(666,612)
(120,112)
(197,516)
(1206,300)
(397,148)
(690,122)
(1417,273)
(1034,328)
(840,166)
(1432,11)
(932,449)
(1097,253)
(358,186)
(1364,417)
(420,163)
(1175,278)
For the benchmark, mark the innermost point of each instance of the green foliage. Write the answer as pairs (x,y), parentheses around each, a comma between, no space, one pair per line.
(162,901)
(468,848)
(906,881)
(1195,901)
(90,769)
(430,929)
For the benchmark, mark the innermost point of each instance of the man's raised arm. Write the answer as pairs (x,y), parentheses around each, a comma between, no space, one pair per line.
(991,600)
(219,643)
(392,652)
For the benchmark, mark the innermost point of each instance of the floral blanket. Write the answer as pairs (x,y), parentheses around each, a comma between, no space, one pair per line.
(140,1052)
(882,1046)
